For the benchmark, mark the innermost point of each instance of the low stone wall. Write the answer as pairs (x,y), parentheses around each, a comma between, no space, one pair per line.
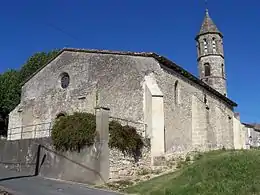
(19,155)
(84,167)
(123,167)
(91,165)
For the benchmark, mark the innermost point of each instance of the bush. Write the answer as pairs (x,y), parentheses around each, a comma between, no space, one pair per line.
(79,130)
(126,139)
(74,132)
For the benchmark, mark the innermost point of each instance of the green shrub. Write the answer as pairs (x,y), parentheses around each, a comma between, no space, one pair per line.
(126,139)
(79,130)
(74,132)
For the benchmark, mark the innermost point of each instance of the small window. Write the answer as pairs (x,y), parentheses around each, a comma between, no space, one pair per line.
(60,115)
(176,92)
(222,70)
(214,44)
(65,80)
(205,46)
(205,99)
(205,42)
(207,69)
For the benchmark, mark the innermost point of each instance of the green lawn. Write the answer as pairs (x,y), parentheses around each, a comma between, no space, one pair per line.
(215,173)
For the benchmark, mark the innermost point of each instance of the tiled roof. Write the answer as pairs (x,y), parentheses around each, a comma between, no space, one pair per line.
(255,126)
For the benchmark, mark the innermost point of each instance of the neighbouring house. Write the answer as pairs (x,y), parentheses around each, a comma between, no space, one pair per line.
(252,132)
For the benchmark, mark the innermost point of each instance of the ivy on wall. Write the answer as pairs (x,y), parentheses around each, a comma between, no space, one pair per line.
(126,139)
(74,132)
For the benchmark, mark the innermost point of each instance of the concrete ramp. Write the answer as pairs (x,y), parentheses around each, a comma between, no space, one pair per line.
(19,183)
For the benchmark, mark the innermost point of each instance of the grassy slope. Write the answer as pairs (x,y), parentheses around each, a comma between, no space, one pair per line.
(215,173)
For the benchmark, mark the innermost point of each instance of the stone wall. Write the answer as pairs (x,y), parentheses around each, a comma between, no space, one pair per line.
(85,167)
(188,127)
(239,134)
(254,141)
(217,78)
(117,81)
(123,167)
(109,80)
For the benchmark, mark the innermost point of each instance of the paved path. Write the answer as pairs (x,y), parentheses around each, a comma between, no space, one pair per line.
(22,184)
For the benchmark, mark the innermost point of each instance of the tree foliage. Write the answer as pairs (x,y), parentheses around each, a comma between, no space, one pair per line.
(126,139)
(10,84)
(9,96)
(35,62)
(9,90)
(74,132)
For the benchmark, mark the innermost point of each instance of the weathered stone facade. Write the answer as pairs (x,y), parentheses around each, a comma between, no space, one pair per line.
(211,61)
(193,116)
(177,111)
(197,120)
(251,134)
(122,166)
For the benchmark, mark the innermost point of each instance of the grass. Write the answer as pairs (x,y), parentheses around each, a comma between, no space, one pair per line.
(214,173)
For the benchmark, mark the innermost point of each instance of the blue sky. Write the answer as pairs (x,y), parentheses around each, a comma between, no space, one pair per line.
(167,27)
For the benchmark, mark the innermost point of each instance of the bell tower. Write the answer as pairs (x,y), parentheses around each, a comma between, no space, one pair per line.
(211,62)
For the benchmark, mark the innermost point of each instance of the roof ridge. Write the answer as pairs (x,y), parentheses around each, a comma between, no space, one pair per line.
(161,59)
(104,51)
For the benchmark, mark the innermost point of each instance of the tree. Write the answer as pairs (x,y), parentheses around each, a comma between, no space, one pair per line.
(10,91)
(35,62)
(10,84)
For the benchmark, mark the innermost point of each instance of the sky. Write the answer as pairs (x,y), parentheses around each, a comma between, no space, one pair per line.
(166,27)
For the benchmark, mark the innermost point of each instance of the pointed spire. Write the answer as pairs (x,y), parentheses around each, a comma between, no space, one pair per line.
(208,25)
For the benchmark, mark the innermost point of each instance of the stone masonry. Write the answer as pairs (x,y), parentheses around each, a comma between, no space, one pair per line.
(116,81)
(211,54)
(177,111)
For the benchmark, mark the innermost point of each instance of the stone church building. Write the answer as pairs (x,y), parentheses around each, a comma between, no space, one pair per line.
(176,110)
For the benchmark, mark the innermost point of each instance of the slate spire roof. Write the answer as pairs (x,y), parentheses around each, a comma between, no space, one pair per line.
(208,26)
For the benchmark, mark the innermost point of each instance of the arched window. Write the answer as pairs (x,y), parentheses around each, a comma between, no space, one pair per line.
(60,115)
(64,80)
(176,92)
(214,44)
(207,69)
(205,46)
(205,99)
(222,70)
